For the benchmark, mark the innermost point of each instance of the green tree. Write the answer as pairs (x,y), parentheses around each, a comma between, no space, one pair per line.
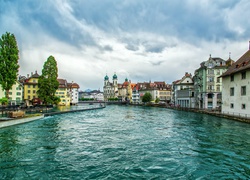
(3,101)
(8,62)
(157,100)
(47,82)
(147,97)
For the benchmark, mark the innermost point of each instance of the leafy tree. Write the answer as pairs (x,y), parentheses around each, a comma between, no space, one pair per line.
(147,97)
(8,62)
(3,101)
(47,82)
(157,100)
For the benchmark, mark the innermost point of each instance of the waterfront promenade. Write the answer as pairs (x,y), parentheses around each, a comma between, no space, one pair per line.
(36,114)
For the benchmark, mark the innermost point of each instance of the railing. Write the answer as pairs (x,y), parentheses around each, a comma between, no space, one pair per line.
(243,117)
(240,115)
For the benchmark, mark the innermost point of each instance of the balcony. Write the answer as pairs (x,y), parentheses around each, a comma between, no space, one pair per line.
(210,100)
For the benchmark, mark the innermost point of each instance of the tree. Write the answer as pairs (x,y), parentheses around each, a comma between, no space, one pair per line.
(157,100)
(147,97)
(47,82)
(3,101)
(8,62)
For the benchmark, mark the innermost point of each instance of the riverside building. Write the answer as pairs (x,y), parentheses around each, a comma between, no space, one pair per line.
(183,91)
(207,83)
(110,89)
(236,87)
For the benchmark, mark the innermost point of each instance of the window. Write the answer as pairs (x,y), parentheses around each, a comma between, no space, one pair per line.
(243,106)
(243,90)
(28,97)
(34,86)
(218,80)
(231,91)
(34,91)
(218,88)
(243,75)
(34,80)
(18,94)
(28,86)
(232,77)
(28,91)
(211,79)
(231,105)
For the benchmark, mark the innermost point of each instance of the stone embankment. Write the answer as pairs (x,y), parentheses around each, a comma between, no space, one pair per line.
(71,111)
(6,121)
(237,117)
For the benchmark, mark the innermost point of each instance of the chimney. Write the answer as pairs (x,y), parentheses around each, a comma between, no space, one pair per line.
(31,73)
(28,75)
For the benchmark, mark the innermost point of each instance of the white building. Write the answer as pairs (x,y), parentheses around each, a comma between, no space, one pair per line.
(135,95)
(15,94)
(73,91)
(236,87)
(183,92)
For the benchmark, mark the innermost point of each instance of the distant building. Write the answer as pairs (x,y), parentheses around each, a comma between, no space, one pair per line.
(148,87)
(236,87)
(135,94)
(96,95)
(164,91)
(72,89)
(110,90)
(125,91)
(183,91)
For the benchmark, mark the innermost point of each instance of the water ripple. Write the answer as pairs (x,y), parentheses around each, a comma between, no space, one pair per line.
(121,142)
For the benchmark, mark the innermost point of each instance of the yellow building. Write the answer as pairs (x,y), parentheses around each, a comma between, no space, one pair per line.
(30,86)
(125,91)
(62,93)
(164,91)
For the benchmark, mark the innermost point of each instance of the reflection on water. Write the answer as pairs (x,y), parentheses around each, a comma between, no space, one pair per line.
(123,142)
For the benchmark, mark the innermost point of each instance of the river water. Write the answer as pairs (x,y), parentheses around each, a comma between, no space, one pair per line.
(125,142)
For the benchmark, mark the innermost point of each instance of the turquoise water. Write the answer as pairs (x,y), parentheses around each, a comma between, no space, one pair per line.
(123,142)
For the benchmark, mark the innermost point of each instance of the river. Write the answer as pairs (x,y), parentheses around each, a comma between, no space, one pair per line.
(126,142)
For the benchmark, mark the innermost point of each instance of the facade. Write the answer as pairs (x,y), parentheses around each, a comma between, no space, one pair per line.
(135,94)
(73,92)
(148,87)
(97,95)
(183,92)
(15,94)
(30,86)
(207,83)
(110,90)
(62,93)
(236,87)
(164,91)
(125,91)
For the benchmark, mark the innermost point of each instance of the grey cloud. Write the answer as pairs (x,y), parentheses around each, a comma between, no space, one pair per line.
(108,48)
(156,63)
(132,47)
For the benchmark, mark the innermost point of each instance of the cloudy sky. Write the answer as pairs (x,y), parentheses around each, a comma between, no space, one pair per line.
(157,40)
